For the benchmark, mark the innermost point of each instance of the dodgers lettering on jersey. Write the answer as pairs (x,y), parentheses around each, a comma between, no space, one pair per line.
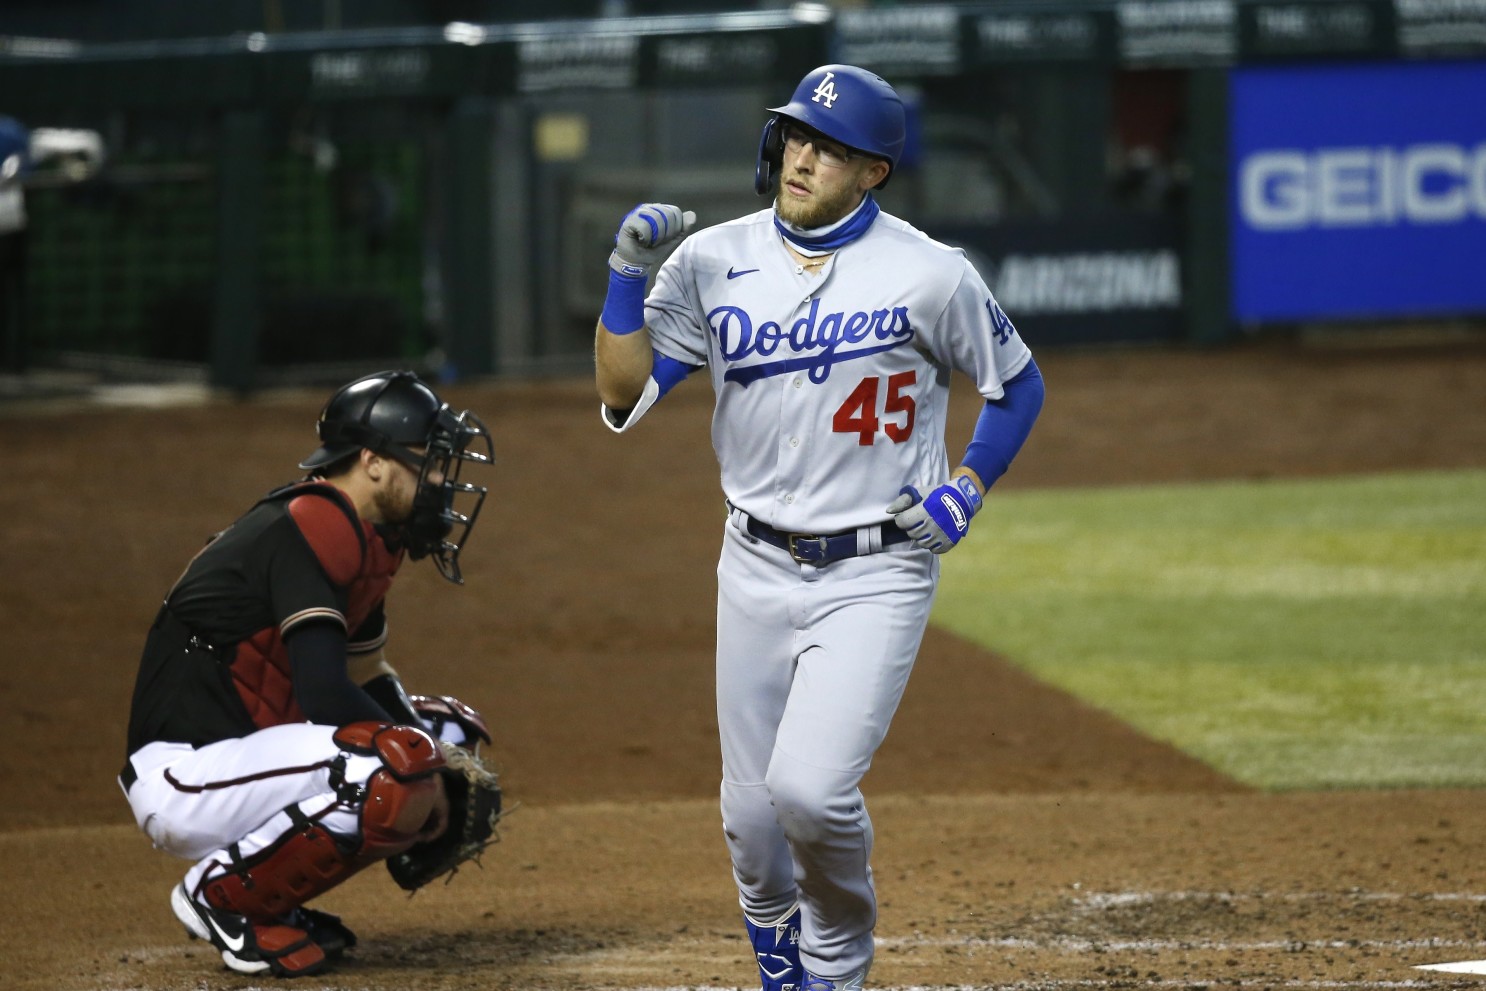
(832,388)
(815,340)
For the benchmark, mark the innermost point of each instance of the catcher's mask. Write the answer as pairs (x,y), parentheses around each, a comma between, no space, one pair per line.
(849,105)
(396,415)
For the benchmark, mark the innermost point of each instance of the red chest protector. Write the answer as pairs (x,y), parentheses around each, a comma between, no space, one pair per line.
(354,557)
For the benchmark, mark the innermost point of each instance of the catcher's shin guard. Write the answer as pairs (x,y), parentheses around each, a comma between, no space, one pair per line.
(309,859)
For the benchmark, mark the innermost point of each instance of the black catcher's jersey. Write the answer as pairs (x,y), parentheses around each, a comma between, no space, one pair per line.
(214,664)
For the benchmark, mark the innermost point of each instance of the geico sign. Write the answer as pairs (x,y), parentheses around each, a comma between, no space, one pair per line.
(1286,189)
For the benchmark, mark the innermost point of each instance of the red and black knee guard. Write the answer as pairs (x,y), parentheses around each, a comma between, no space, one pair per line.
(309,860)
(398,798)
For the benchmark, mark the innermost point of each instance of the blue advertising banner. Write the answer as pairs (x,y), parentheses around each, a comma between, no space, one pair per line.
(1358,191)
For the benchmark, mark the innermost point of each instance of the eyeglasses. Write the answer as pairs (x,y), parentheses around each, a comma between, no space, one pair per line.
(827,152)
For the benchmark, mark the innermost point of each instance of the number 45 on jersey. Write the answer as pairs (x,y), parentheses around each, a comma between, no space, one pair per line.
(859,414)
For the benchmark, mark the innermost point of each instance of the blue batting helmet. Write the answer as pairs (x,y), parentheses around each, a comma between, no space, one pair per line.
(844,103)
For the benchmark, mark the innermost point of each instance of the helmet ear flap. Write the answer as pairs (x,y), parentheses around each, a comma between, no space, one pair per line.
(770,156)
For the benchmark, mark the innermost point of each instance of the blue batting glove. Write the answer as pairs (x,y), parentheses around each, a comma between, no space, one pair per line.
(939,522)
(647,234)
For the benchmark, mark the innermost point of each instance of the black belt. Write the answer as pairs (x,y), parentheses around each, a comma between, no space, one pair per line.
(819,549)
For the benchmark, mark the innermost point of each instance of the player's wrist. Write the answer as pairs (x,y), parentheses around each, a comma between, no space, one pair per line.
(628,267)
(624,304)
(970,491)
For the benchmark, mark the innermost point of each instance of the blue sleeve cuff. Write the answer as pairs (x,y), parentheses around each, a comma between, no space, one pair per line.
(1004,424)
(667,371)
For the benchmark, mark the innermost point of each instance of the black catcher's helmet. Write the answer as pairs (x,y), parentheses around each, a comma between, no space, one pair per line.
(393,413)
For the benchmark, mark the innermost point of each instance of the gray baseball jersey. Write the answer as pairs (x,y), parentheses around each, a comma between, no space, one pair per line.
(831,388)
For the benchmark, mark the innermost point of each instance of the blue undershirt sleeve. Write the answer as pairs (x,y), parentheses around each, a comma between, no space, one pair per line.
(668,371)
(1004,424)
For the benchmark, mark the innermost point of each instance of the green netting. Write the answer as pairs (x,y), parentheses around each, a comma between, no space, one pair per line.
(125,264)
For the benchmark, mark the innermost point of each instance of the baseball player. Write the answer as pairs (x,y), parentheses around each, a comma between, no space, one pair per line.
(269,740)
(829,330)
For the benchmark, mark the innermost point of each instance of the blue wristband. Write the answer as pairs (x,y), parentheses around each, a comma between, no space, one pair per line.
(624,306)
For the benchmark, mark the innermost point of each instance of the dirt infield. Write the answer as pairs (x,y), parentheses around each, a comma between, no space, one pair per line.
(1025,839)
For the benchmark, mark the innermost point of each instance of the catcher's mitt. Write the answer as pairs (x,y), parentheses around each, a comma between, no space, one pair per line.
(474,808)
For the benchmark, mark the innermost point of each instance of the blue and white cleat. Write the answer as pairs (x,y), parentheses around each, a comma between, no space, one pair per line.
(777,946)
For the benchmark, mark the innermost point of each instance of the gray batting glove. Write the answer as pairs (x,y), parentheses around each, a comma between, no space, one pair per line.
(940,520)
(646,235)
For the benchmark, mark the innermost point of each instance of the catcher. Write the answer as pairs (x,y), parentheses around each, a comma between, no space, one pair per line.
(269,739)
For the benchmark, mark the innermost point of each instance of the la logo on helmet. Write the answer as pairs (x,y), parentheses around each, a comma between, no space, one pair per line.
(826,91)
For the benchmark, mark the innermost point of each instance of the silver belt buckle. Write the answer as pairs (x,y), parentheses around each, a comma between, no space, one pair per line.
(794,552)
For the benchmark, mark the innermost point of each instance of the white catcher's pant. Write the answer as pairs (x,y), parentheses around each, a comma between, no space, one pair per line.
(811,665)
(197,803)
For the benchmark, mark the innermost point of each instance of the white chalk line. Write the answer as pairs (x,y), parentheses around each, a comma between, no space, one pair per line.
(1458,967)
(1119,899)
(691,949)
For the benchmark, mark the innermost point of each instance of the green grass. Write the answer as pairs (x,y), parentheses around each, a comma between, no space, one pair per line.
(1317,634)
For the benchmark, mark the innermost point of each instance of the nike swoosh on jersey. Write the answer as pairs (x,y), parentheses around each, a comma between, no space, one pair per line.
(747,271)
